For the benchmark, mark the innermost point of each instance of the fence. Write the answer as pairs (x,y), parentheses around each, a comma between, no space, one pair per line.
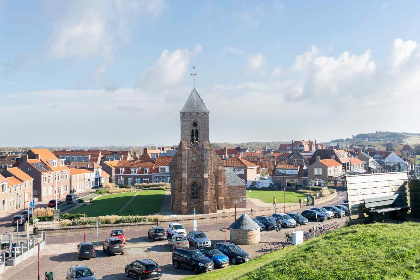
(17,248)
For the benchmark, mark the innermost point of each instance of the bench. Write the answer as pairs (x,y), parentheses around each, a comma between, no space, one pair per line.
(384,204)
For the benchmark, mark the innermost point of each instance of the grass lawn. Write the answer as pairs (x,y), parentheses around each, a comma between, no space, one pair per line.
(267,196)
(374,251)
(146,202)
(105,205)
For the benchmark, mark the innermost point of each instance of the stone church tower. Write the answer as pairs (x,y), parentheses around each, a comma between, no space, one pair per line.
(197,174)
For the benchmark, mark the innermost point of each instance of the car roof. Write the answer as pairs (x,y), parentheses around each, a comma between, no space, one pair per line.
(157,228)
(147,261)
(196,231)
(86,243)
(17,216)
(79,267)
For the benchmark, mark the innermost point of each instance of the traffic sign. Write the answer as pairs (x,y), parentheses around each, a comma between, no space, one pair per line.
(32,204)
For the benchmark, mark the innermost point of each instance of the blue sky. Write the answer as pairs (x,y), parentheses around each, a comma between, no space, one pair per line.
(117,72)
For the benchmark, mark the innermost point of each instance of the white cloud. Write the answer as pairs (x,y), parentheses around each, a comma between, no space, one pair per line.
(384,5)
(251,17)
(319,97)
(169,70)
(96,28)
(255,62)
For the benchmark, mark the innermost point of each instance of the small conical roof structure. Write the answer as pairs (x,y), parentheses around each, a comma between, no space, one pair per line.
(245,223)
(194,104)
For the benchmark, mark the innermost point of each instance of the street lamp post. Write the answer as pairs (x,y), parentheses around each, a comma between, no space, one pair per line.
(84,229)
(284,197)
(235,210)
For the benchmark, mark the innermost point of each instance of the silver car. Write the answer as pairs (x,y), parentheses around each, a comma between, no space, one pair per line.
(178,241)
(198,239)
(286,220)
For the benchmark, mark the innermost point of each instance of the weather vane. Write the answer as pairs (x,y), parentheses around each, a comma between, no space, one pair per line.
(194,74)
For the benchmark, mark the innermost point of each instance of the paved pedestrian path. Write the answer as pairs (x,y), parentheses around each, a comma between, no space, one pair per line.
(128,202)
(166,208)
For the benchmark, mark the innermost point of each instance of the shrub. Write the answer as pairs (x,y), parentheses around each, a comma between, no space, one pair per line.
(70,216)
(44,218)
(325,192)
(121,190)
(38,212)
(131,219)
(102,191)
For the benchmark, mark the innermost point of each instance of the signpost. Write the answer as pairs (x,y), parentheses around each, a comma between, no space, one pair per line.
(194,222)
(56,213)
(97,233)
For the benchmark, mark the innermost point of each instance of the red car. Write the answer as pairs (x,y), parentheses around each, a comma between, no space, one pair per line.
(51,203)
(118,233)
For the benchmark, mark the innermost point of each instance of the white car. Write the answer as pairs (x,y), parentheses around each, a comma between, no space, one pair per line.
(176,229)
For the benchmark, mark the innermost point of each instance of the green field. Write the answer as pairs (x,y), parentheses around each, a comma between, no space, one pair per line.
(267,196)
(145,203)
(375,251)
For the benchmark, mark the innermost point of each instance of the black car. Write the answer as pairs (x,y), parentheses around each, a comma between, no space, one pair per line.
(156,233)
(80,272)
(262,227)
(234,252)
(113,245)
(191,259)
(71,198)
(298,218)
(143,269)
(344,208)
(314,215)
(268,222)
(18,220)
(85,250)
(24,213)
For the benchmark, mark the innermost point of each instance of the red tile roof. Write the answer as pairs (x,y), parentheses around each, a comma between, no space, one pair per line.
(237,162)
(354,161)
(19,174)
(13,181)
(74,171)
(330,162)
(44,154)
(163,161)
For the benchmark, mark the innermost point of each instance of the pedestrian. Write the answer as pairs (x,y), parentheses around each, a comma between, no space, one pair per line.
(307,199)
(274,201)
(278,224)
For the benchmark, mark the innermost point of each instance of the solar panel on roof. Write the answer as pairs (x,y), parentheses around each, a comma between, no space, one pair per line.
(40,167)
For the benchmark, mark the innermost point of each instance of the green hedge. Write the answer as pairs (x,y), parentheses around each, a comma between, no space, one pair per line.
(102,191)
(92,221)
(71,216)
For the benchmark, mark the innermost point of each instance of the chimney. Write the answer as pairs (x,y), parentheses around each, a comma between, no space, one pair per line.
(318,158)
(25,158)
(145,150)
(292,145)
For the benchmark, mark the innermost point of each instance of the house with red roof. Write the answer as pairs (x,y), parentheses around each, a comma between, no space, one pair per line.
(325,170)
(246,170)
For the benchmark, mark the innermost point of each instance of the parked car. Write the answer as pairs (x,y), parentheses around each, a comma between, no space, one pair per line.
(176,228)
(24,213)
(143,269)
(328,213)
(234,252)
(198,239)
(52,202)
(344,208)
(299,187)
(314,215)
(219,259)
(298,218)
(113,245)
(191,259)
(286,220)
(80,272)
(86,250)
(178,241)
(268,222)
(118,233)
(262,227)
(18,220)
(71,198)
(156,233)
(338,213)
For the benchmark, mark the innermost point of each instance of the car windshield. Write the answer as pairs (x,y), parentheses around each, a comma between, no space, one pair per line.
(150,267)
(179,238)
(200,235)
(158,230)
(178,227)
(197,254)
(235,248)
(214,252)
(17,218)
(85,272)
(117,232)
(52,201)
(286,217)
(323,210)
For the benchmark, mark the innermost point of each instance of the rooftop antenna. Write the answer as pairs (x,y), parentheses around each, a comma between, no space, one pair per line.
(194,74)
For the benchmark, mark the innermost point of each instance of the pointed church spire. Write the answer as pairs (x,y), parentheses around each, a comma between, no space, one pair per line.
(194,104)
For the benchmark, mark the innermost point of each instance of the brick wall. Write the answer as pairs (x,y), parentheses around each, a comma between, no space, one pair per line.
(245,237)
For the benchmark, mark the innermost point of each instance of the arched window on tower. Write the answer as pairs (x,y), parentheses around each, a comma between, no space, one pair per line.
(194,133)
(194,191)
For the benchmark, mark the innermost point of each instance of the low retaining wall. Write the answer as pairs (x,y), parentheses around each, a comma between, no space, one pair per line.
(25,255)
(188,220)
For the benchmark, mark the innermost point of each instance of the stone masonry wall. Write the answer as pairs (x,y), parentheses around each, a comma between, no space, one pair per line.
(245,237)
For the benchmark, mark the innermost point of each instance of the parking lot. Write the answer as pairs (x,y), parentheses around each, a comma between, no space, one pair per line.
(60,253)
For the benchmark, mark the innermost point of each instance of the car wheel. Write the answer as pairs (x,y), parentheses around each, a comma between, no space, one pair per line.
(233,261)
(175,264)
(148,234)
(103,248)
(127,273)
(214,264)
(140,277)
(108,252)
(196,270)
(122,253)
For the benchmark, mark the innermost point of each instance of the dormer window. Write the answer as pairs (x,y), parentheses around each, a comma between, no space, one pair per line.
(54,163)
(121,170)
(146,170)
(133,170)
